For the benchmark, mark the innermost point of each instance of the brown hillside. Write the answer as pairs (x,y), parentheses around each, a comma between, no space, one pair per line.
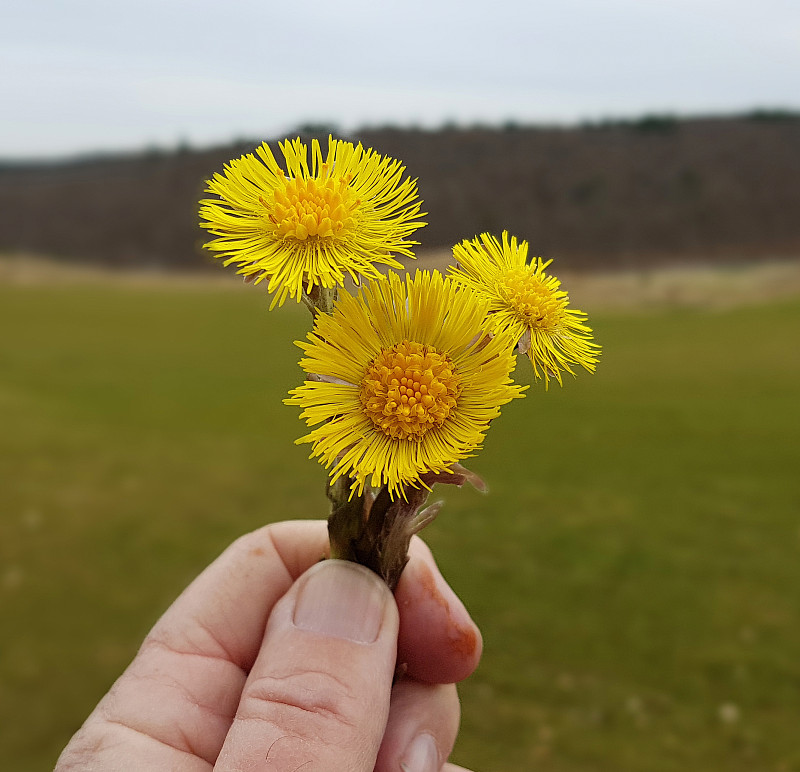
(626,194)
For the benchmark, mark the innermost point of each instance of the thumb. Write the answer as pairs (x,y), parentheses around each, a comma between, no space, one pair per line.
(317,698)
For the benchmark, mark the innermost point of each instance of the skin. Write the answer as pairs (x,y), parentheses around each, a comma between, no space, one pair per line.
(231,679)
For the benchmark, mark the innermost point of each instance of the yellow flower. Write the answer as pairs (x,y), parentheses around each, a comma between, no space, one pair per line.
(403,380)
(315,222)
(526,303)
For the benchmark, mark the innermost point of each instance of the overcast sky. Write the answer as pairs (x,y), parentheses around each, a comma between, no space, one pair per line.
(84,75)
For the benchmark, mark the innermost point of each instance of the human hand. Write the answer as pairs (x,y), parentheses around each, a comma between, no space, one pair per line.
(273,661)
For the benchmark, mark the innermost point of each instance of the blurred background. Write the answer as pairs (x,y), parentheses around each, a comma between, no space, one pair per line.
(635,567)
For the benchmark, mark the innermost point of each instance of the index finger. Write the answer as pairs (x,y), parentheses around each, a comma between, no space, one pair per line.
(173,706)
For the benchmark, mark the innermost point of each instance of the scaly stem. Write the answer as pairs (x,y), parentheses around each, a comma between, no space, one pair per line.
(346,520)
(321,299)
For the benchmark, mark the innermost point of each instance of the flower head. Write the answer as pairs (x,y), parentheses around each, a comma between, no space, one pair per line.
(527,304)
(403,380)
(314,223)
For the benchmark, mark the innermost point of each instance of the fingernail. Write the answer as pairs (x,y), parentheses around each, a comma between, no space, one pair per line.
(341,600)
(422,755)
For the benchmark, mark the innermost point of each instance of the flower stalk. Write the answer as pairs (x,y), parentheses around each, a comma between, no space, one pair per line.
(375,530)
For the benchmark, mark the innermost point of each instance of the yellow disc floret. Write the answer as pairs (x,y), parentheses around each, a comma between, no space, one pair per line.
(408,389)
(309,208)
(530,299)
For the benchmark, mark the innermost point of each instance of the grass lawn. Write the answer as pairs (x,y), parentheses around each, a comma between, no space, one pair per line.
(635,568)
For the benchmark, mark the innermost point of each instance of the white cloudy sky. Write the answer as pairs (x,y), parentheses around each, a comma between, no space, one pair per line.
(83,75)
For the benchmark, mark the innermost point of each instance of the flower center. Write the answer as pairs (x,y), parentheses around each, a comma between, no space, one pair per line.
(312,207)
(408,389)
(533,302)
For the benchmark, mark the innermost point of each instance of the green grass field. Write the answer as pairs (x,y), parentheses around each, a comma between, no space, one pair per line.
(635,568)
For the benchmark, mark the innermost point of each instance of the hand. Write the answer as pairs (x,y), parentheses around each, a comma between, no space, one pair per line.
(272,660)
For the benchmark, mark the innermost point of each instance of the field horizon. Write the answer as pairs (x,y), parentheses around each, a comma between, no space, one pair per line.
(699,283)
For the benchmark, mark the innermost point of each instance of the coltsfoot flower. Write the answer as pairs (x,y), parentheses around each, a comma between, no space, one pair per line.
(315,222)
(403,380)
(527,304)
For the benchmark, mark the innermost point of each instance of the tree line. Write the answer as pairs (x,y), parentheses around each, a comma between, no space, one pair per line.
(610,194)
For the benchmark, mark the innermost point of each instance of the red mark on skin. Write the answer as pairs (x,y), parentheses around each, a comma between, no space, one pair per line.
(428,582)
(462,639)
(465,641)
(257,552)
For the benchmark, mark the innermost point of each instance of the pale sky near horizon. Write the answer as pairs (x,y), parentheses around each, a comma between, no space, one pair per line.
(80,76)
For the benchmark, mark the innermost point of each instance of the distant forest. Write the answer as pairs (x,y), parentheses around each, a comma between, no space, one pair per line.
(611,194)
